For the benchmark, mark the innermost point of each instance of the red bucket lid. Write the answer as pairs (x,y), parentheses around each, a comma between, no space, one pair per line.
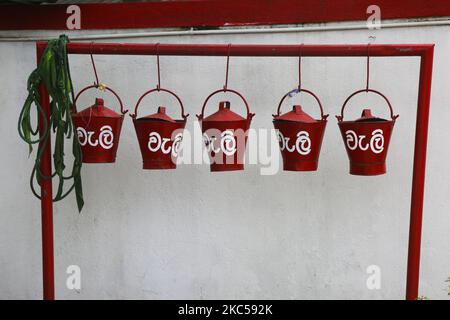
(160,115)
(367,115)
(98,109)
(224,114)
(297,115)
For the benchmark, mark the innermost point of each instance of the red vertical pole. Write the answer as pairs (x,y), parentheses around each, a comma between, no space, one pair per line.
(418,183)
(48,272)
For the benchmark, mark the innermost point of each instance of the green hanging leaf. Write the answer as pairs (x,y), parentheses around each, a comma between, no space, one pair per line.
(53,71)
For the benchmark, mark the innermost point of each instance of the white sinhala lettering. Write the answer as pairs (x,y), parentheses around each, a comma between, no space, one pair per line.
(156,143)
(176,146)
(82,136)
(302,143)
(281,140)
(105,137)
(228,143)
(351,139)
(376,142)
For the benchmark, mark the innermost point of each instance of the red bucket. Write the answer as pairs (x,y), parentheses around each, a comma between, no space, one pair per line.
(300,136)
(367,139)
(225,134)
(159,135)
(98,129)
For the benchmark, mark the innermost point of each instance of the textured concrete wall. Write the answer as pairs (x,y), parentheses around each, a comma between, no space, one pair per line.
(191,234)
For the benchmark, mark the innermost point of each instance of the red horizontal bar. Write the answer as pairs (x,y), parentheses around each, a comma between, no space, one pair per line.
(246,50)
(212,13)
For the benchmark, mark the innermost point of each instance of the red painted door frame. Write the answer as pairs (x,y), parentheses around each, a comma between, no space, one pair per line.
(212,13)
(425,52)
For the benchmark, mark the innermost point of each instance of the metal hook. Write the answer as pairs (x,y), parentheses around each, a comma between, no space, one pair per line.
(368,67)
(225,87)
(158,86)
(300,68)
(97,82)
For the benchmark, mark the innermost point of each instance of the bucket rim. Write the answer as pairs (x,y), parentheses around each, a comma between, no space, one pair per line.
(144,119)
(299,122)
(118,116)
(386,121)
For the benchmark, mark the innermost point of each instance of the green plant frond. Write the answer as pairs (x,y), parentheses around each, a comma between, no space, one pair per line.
(53,71)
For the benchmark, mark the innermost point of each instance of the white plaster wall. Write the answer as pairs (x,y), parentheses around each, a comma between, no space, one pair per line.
(191,234)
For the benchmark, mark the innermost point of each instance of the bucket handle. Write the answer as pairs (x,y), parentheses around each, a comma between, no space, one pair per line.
(100,87)
(154,90)
(249,115)
(323,116)
(341,117)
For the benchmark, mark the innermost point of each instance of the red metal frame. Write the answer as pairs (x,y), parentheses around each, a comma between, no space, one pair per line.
(212,13)
(424,51)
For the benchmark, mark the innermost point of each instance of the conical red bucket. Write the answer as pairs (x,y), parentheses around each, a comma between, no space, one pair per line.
(367,139)
(98,129)
(159,135)
(300,136)
(225,134)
